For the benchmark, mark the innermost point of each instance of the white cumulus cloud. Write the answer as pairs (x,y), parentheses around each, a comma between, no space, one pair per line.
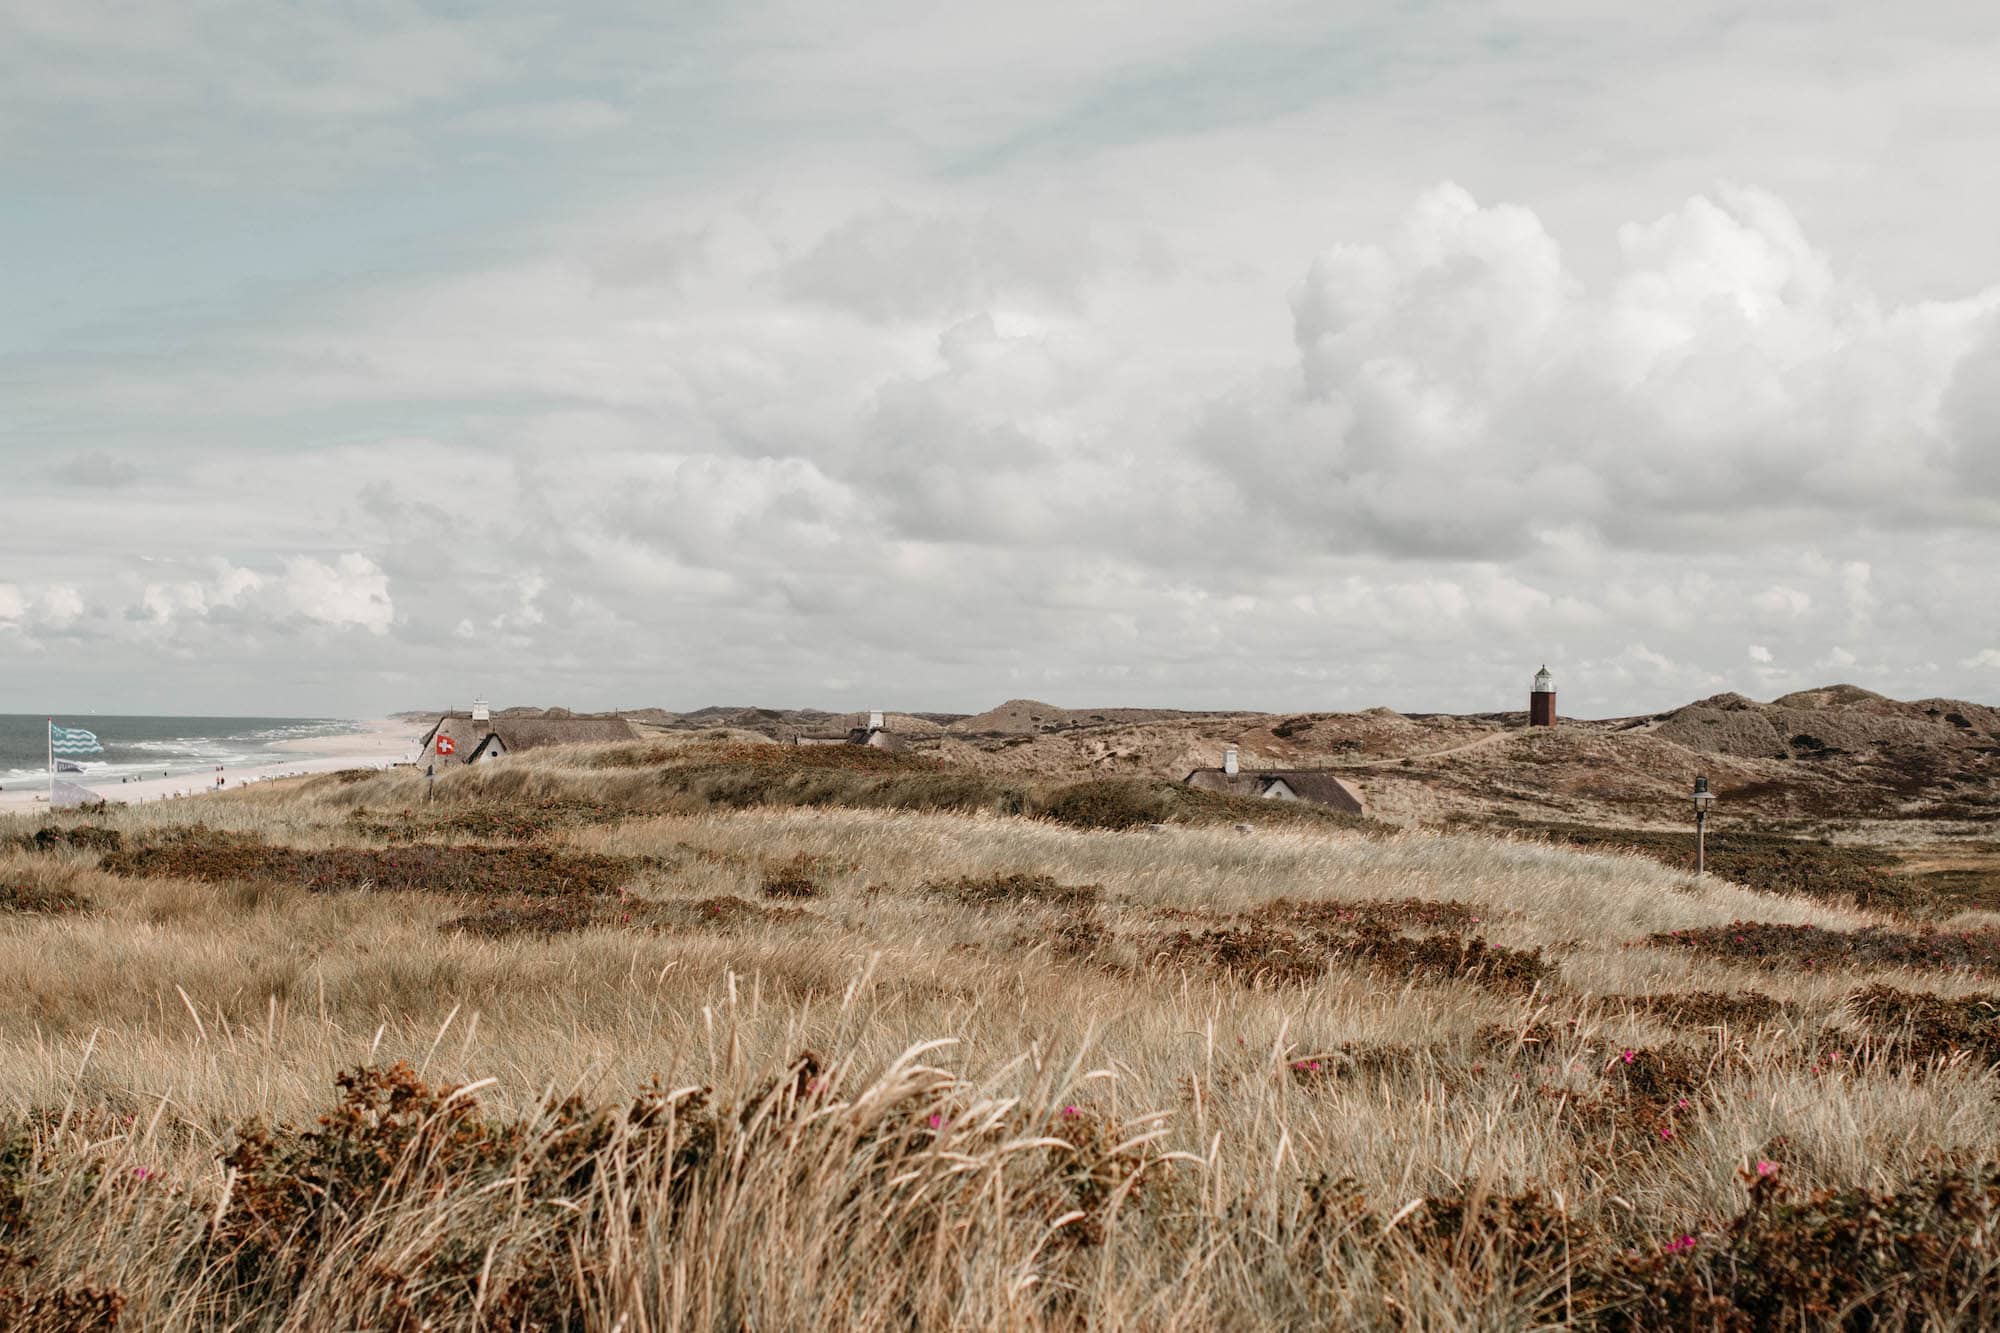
(352,590)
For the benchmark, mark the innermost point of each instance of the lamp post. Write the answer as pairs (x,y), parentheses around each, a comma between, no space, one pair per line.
(1703,798)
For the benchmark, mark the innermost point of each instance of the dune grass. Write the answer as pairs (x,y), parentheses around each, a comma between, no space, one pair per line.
(801,1064)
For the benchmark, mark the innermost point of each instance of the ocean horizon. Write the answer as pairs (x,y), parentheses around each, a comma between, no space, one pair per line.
(143,745)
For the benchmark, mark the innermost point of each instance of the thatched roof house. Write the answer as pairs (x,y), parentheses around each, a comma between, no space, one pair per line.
(1314,786)
(459,738)
(876,735)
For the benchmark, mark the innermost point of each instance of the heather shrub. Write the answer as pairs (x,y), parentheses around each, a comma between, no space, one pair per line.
(78,837)
(1771,944)
(1924,1026)
(1253,951)
(216,856)
(32,893)
(1915,1256)
(1018,889)
(1374,913)
(504,820)
(1704,1008)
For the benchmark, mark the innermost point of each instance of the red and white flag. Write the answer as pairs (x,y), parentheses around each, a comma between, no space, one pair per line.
(445,746)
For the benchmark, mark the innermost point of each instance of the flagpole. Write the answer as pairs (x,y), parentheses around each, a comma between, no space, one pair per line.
(52,763)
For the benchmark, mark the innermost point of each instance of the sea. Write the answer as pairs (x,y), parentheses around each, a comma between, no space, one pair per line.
(149,747)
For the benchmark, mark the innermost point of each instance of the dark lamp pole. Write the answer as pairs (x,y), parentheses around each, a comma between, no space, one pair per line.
(1703,798)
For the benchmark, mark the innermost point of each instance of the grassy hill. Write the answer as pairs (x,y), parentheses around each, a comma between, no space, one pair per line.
(695,1035)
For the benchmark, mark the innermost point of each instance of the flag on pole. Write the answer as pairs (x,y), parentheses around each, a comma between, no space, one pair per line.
(65,766)
(72,740)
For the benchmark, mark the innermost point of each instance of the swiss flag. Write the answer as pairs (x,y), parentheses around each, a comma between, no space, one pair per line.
(445,745)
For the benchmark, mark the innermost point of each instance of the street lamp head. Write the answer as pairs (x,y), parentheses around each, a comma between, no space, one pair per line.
(1703,797)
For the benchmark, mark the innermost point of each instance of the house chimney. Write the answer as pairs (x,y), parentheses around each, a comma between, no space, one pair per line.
(1229,760)
(875,721)
(479,713)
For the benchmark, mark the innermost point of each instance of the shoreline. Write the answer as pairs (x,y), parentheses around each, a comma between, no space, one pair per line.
(381,743)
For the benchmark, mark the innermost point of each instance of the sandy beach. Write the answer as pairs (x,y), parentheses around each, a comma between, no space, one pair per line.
(380,743)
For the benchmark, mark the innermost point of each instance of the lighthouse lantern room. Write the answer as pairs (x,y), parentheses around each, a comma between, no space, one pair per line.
(1542,702)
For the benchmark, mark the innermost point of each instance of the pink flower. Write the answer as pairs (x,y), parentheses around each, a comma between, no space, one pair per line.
(937,1121)
(143,1172)
(1628,1055)
(1071,1113)
(1681,1246)
(1666,1132)
(1681,1105)
(1766,1168)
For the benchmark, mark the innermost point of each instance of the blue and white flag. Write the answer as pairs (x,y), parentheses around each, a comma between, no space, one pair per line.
(73,740)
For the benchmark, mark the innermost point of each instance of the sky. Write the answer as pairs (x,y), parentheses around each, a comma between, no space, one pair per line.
(1300,356)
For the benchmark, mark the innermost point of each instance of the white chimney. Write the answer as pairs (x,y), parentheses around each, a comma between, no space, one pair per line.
(875,721)
(1229,760)
(479,713)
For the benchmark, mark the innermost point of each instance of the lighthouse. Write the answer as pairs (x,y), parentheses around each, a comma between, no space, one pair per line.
(1542,700)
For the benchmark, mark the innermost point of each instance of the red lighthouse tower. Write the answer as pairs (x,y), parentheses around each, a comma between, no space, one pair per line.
(1542,701)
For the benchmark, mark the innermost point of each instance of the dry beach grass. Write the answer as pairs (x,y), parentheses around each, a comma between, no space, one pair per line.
(780,1061)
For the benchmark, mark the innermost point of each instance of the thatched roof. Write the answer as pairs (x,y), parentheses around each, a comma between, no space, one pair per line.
(1316,785)
(469,738)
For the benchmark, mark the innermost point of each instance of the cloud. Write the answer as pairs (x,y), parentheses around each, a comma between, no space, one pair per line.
(1459,391)
(1781,601)
(225,587)
(352,590)
(62,605)
(97,469)
(896,264)
(1065,378)
(56,607)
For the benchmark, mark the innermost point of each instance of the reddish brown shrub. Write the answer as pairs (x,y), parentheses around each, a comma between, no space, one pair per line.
(31,898)
(487,821)
(79,837)
(391,1138)
(1772,944)
(1014,890)
(1374,1060)
(795,878)
(201,853)
(1429,914)
(1250,953)
(1433,958)
(1916,1256)
(63,1310)
(548,916)
(1706,1008)
(1925,1027)
(1253,951)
